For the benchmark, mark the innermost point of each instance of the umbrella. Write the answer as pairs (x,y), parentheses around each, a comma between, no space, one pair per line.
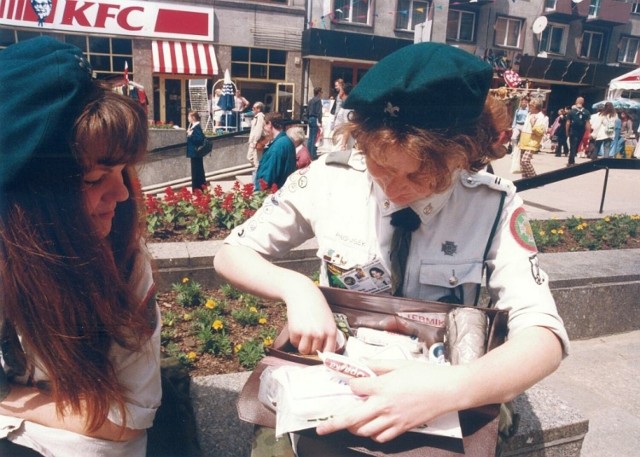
(227,101)
(620,103)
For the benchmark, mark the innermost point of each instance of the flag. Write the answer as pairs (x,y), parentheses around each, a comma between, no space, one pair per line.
(126,72)
(227,100)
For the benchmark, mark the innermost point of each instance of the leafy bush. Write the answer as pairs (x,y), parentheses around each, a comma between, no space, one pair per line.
(610,232)
(201,212)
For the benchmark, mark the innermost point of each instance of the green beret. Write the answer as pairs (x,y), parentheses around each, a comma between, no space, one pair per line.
(427,85)
(44,84)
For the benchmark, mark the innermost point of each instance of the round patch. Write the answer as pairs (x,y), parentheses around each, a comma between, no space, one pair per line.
(521,230)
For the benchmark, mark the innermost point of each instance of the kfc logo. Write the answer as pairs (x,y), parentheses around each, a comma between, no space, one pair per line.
(42,8)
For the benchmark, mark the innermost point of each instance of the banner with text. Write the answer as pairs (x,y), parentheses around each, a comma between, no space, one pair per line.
(130,18)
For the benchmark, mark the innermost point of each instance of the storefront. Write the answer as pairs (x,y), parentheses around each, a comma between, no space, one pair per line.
(158,46)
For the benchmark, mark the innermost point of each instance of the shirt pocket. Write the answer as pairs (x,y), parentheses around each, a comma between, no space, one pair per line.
(443,282)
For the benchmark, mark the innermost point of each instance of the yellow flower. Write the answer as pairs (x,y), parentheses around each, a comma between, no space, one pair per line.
(210,303)
(607,219)
(554,232)
(186,316)
(262,320)
(253,309)
(185,280)
(192,356)
(268,341)
(237,348)
(217,324)
(542,233)
(561,232)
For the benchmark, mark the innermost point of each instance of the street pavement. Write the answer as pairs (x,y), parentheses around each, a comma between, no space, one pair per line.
(578,196)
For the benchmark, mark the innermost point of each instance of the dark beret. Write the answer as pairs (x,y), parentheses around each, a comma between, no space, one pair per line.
(44,84)
(428,85)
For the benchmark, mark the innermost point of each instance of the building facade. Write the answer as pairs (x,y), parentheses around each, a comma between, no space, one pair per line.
(278,51)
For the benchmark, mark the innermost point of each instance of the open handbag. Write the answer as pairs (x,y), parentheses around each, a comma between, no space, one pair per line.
(399,315)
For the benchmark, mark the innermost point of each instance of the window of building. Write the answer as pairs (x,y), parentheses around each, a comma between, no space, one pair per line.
(592,43)
(258,63)
(410,13)
(628,49)
(461,26)
(553,39)
(550,5)
(594,8)
(107,56)
(353,11)
(635,6)
(508,32)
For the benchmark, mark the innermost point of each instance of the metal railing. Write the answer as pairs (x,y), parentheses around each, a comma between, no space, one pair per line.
(577,170)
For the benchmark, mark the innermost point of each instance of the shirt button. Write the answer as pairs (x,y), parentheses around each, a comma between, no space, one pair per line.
(427,209)
(386,204)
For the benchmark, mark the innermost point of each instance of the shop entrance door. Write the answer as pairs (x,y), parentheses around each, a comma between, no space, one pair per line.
(171,100)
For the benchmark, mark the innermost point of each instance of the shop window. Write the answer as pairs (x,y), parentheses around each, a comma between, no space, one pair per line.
(410,13)
(258,63)
(106,55)
(553,39)
(352,11)
(592,43)
(508,32)
(461,26)
(550,5)
(628,50)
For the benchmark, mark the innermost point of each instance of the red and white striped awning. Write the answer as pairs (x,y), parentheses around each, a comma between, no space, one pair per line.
(179,57)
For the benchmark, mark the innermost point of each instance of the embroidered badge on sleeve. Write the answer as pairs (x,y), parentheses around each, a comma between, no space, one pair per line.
(521,230)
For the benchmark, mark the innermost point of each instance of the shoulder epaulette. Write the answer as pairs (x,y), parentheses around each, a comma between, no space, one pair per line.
(483,178)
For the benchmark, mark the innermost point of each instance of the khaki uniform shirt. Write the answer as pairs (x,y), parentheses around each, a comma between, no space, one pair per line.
(468,231)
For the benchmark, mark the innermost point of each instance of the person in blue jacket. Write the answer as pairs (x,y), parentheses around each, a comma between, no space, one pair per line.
(279,157)
(195,138)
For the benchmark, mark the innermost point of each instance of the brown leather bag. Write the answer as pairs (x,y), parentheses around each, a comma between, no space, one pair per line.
(479,425)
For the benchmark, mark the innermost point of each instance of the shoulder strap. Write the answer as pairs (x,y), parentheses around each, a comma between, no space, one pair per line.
(494,228)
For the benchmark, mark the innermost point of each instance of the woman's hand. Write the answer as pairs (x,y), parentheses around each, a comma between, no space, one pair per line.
(407,394)
(311,324)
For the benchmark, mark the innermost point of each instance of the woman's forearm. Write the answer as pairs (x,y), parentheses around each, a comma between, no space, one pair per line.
(33,405)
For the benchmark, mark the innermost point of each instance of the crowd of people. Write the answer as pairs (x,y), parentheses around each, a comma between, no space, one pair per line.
(574,133)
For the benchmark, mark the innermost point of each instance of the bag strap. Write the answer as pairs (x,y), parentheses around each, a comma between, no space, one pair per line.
(494,229)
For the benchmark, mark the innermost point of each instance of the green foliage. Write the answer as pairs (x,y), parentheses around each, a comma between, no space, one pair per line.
(610,232)
(248,315)
(250,353)
(230,292)
(189,293)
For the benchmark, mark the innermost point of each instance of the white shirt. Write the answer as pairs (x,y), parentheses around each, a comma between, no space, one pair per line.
(139,373)
(350,219)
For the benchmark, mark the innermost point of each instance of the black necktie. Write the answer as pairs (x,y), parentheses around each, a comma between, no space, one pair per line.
(405,221)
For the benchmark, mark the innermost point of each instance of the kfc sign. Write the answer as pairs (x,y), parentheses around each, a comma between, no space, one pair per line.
(146,19)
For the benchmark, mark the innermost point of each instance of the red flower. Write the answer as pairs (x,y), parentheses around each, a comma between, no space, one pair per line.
(217,191)
(170,196)
(227,203)
(247,191)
